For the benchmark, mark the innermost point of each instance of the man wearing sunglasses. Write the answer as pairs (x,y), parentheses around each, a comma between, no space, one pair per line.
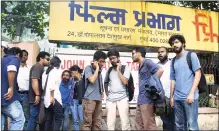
(35,88)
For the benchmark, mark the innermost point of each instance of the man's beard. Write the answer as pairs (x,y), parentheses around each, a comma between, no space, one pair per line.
(65,80)
(163,59)
(177,51)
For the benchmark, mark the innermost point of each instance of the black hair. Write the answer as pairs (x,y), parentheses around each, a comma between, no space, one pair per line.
(67,72)
(14,51)
(76,68)
(42,55)
(178,37)
(140,50)
(24,51)
(164,48)
(99,54)
(5,49)
(113,52)
(54,62)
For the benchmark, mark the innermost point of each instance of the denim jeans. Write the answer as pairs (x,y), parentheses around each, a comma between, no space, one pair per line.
(77,114)
(25,105)
(186,115)
(67,111)
(15,112)
(34,112)
(53,117)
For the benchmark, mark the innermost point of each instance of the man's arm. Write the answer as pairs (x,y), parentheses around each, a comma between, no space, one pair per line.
(172,88)
(94,77)
(122,78)
(196,81)
(160,72)
(35,86)
(11,78)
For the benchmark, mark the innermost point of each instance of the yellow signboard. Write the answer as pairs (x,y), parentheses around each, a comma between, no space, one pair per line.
(209,79)
(133,23)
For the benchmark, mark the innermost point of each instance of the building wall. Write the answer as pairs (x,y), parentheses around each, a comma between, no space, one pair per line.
(32,48)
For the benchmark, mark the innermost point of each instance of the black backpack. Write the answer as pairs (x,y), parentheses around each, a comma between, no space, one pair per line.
(130,89)
(202,86)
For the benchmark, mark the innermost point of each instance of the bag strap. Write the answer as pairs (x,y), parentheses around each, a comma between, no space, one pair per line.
(189,61)
(173,61)
(44,91)
(99,74)
(123,69)
(108,73)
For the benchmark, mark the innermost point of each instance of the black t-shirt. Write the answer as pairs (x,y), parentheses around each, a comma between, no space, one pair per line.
(36,72)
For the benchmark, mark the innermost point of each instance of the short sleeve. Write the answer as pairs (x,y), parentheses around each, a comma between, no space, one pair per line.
(13,65)
(36,72)
(172,74)
(127,72)
(195,62)
(152,67)
(88,72)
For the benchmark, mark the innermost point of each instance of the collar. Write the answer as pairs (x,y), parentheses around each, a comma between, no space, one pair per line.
(140,66)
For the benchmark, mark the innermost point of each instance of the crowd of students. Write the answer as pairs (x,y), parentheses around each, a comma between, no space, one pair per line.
(29,93)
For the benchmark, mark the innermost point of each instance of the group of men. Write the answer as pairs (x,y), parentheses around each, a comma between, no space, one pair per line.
(179,83)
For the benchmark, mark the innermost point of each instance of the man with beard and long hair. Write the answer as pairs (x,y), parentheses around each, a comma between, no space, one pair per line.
(65,89)
(145,117)
(184,92)
(164,62)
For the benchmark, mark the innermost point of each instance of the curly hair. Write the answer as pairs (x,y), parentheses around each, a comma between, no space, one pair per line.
(178,37)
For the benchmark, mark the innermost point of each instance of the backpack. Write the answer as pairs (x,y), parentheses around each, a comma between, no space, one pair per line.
(130,89)
(84,85)
(202,86)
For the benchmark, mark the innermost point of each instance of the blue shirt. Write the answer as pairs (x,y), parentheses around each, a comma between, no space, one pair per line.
(6,61)
(184,76)
(146,66)
(65,90)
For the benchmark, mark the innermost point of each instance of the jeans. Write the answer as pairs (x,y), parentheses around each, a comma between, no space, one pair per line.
(67,110)
(168,119)
(186,115)
(53,117)
(34,111)
(15,112)
(25,105)
(77,114)
(123,108)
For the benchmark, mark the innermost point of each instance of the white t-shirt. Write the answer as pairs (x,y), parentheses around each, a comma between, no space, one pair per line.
(165,78)
(117,91)
(53,83)
(23,78)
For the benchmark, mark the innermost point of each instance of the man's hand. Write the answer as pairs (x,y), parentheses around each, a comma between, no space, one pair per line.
(172,102)
(95,64)
(37,100)
(118,66)
(52,100)
(190,98)
(9,95)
